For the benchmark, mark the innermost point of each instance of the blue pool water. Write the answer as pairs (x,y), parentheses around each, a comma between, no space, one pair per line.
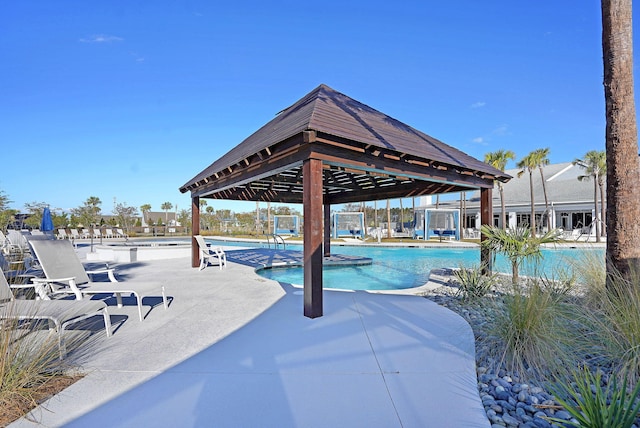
(402,267)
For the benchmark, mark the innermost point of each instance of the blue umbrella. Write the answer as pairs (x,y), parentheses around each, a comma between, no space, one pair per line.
(46,225)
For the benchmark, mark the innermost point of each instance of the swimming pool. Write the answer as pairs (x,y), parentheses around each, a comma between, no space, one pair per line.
(395,268)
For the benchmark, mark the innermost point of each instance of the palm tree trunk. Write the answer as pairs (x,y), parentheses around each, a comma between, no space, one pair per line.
(503,206)
(595,209)
(533,208)
(546,200)
(623,167)
(603,216)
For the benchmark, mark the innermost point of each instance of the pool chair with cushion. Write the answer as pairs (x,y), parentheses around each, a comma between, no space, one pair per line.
(59,313)
(208,253)
(65,273)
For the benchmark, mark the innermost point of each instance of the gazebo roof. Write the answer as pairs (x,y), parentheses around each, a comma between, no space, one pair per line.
(366,156)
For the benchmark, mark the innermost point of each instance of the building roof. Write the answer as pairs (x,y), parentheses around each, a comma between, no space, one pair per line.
(366,155)
(562,184)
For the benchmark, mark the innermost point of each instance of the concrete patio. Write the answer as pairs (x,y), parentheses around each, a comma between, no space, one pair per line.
(234,350)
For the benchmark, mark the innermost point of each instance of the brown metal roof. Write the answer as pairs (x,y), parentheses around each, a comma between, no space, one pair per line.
(366,154)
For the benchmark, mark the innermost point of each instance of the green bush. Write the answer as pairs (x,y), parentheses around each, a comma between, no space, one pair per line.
(532,332)
(472,283)
(593,405)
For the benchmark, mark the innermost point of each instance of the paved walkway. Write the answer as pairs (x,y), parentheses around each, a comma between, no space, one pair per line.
(234,350)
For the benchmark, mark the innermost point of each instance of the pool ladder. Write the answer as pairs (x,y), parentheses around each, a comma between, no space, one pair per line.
(277,241)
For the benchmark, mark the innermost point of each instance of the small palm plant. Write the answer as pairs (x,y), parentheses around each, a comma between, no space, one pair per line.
(593,405)
(472,283)
(517,244)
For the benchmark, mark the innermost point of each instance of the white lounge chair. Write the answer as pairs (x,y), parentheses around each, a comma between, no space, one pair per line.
(97,234)
(108,233)
(62,234)
(208,253)
(59,313)
(85,234)
(62,267)
(120,233)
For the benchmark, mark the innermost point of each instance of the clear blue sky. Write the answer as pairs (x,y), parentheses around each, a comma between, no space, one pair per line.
(131,99)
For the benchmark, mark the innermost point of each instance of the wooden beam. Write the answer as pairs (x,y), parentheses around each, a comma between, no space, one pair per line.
(327,228)
(312,211)
(195,230)
(486,218)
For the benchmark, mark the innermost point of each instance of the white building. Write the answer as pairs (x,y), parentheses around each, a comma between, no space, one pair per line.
(571,201)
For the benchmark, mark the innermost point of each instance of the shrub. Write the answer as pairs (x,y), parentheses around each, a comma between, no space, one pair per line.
(472,283)
(593,405)
(532,332)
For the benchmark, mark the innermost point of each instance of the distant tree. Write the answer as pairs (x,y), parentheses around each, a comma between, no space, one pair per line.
(60,218)
(542,160)
(88,213)
(184,218)
(528,164)
(498,160)
(594,164)
(144,209)
(623,167)
(34,209)
(159,222)
(7,215)
(166,207)
(208,217)
(126,215)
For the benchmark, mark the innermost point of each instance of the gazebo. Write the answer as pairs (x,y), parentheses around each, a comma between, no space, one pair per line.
(326,149)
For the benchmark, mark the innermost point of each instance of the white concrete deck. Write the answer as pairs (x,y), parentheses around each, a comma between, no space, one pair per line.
(234,350)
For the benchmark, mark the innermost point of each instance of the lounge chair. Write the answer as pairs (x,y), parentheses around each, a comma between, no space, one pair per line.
(59,313)
(207,253)
(62,267)
(108,233)
(62,234)
(120,233)
(97,234)
(85,234)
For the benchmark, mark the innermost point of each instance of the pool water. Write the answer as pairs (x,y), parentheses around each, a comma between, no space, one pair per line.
(399,268)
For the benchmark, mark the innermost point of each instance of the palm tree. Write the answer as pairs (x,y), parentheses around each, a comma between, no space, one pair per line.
(145,208)
(498,160)
(623,168)
(542,159)
(595,166)
(517,244)
(166,206)
(528,164)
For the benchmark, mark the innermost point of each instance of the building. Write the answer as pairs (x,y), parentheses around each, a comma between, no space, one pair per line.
(570,201)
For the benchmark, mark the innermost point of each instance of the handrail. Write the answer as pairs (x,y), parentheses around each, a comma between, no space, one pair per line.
(276,237)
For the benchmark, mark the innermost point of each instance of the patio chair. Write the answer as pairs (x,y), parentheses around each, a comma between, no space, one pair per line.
(207,253)
(85,234)
(97,234)
(65,273)
(120,233)
(108,233)
(62,234)
(59,313)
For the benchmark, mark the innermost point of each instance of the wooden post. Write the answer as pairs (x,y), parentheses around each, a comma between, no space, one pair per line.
(312,211)
(486,218)
(195,230)
(327,229)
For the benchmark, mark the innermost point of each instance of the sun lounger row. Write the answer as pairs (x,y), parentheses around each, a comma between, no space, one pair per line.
(87,234)
(64,274)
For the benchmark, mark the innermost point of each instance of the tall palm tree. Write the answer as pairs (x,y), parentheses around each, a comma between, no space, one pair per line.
(145,208)
(595,166)
(542,158)
(623,168)
(528,164)
(166,206)
(498,160)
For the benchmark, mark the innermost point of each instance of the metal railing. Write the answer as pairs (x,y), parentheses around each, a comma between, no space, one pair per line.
(277,241)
